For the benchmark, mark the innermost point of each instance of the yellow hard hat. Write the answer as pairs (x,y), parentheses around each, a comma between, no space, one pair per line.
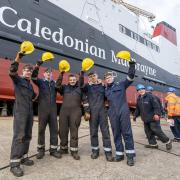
(124,55)
(64,66)
(87,63)
(47,56)
(27,47)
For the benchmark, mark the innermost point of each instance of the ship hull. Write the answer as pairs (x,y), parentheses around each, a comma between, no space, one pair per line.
(51,28)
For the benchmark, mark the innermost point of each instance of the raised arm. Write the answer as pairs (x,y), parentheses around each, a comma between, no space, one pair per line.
(131,74)
(35,72)
(13,70)
(82,85)
(59,86)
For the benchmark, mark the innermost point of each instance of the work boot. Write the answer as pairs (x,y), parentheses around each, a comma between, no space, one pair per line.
(17,171)
(157,138)
(130,161)
(169,145)
(56,154)
(40,154)
(63,151)
(27,162)
(119,158)
(75,155)
(95,154)
(175,140)
(109,156)
(151,146)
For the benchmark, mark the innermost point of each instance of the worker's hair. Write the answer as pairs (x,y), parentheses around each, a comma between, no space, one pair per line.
(28,66)
(108,74)
(92,73)
(72,75)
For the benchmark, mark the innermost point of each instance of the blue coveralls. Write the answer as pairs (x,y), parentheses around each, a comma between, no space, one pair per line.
(23,116)
(96,99)
(119,114)
(47,111)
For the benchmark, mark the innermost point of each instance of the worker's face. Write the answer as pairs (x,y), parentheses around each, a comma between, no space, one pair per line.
(142,91)
(48,75)
(72,80)
(27,73)
(109,79)
(93,78)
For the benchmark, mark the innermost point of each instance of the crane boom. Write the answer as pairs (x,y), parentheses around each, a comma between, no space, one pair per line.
(136,10)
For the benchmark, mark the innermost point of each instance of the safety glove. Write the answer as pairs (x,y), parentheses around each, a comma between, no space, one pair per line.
(87,116)
(156,117)
(132,61)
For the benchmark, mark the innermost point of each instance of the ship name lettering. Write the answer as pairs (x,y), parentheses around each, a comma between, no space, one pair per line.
(58,37)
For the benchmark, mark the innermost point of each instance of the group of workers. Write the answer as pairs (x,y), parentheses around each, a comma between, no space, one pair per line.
(92,96)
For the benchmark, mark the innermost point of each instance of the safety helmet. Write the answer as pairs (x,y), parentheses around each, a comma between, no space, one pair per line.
(26,47)
(139,87)
(124,55)
(149,88)
(87,64)
(171,89)
(64,66)
(47,56)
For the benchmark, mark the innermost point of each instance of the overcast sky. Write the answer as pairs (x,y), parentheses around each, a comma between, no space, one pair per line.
(164,10)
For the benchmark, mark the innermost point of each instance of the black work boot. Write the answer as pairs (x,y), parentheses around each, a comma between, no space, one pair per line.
(40,154)
(17,171)
(119,158)
(63,151)
(151,146)
(75,155)
(175,140)
(109,156)
(27,162)
(55,154)
(95,154)
(130,161)
(169,145)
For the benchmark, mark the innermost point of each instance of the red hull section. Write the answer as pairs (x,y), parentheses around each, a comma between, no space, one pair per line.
(6,85)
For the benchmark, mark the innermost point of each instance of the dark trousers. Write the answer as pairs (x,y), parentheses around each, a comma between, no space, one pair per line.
(22,134)
(50,119)
(121,127)
(176,128)
(69,120)
(153,129)
(99,118)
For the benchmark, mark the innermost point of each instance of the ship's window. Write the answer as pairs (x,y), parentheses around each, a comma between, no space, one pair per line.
(131,34)
(148,44)
(145,42)
(154,46)
(36,1)
(136,37)
(122,29)
(157,49)
(141,40)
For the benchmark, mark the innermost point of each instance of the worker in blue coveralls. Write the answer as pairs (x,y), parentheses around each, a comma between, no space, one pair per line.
(95,91)
(119,114)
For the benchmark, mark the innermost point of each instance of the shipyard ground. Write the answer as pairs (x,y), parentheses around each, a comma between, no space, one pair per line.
(150,164)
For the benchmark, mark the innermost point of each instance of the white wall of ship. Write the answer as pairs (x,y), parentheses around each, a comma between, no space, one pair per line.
(106,16)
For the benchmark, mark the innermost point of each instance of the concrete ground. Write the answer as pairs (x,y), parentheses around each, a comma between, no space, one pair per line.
(150,164)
